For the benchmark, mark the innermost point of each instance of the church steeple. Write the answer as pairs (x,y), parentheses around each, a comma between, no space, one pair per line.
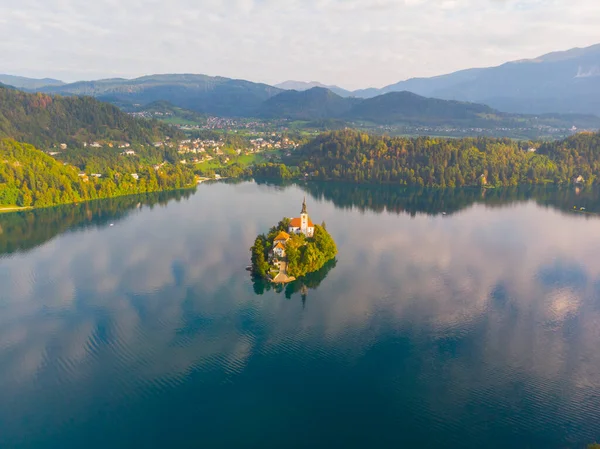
(304,207)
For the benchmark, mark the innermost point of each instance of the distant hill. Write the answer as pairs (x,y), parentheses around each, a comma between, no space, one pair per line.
(398,107)
(22,82)
(312,104)
(199,93)
(43,120)
(406,108)
(559,82)
(302,85)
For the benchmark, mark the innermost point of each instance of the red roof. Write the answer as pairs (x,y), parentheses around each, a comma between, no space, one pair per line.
(297,223)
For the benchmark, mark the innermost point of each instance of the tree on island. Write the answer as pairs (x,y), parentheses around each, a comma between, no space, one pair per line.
(303,254)
(260,265)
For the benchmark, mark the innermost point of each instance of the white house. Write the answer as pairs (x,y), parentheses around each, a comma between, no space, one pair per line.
(302,224)
(279,250)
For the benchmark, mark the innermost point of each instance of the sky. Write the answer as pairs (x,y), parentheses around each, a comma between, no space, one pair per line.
(351,43)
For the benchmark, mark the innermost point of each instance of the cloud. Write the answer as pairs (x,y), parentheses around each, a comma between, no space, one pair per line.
(348,42)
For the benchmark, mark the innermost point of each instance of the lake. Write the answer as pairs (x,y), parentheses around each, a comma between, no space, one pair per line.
(450,318)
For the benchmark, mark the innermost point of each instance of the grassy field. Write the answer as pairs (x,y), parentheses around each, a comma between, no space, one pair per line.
(179,121)
(245,160)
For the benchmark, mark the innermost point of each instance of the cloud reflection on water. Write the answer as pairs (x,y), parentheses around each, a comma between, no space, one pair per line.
(164,294)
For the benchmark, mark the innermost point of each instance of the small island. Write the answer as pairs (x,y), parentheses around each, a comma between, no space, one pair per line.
(292,249)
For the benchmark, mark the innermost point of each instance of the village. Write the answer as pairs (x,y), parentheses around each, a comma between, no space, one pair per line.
(209,149)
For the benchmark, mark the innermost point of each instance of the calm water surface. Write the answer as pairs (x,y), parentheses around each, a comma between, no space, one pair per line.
(133,323)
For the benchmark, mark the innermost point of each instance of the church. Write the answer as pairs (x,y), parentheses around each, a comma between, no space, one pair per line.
(302,224)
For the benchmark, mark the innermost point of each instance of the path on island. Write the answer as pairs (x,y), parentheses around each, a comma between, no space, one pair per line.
(282,277)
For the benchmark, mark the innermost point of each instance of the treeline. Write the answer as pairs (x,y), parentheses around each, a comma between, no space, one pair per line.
(29,177)
(440,162)
(43,120)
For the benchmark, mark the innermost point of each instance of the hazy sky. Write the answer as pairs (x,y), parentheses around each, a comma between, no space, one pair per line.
(352,43)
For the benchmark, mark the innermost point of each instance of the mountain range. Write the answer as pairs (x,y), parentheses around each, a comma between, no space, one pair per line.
(560,82)
(301,85)
(199,93)
(406,108)
(21,82)
(565,82)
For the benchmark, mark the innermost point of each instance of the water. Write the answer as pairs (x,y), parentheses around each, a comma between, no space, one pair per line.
(477,328)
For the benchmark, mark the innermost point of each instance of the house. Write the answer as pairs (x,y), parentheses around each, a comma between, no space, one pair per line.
(135,176)
(302,224)
(128,153)
(279,250)
(579,180)
(63,146)
(282,238)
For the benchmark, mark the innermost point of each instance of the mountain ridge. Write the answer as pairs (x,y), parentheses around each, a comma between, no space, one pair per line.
(22,82)
(562,82)
(557,82)
(303,85)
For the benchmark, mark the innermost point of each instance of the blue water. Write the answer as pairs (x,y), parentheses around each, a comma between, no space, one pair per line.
(133,323)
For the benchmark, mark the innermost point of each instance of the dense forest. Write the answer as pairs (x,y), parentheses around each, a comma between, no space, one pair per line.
(439,162)
(44,121)
(29,177)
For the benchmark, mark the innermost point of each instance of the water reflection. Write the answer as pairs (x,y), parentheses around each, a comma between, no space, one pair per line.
(479,328)
(412,201)
(23,231)
(311,281)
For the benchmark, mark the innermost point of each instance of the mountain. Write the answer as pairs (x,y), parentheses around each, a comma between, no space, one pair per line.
(22,82)
(312,104)
(44,120)
(302,85)
(199,93)
(559,82)
(407,108)
(398,107)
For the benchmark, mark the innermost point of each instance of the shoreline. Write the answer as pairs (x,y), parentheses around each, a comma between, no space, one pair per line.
(13,209)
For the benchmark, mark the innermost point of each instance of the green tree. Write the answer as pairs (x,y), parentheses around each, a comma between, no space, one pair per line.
(259,263)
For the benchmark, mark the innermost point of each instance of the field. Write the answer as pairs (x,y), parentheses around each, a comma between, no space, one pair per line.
(244,160)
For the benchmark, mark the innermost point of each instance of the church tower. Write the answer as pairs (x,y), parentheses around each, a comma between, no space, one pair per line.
(304,218)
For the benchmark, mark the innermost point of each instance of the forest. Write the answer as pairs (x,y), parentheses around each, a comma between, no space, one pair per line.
(442,162)
(47,121)
(31,178)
